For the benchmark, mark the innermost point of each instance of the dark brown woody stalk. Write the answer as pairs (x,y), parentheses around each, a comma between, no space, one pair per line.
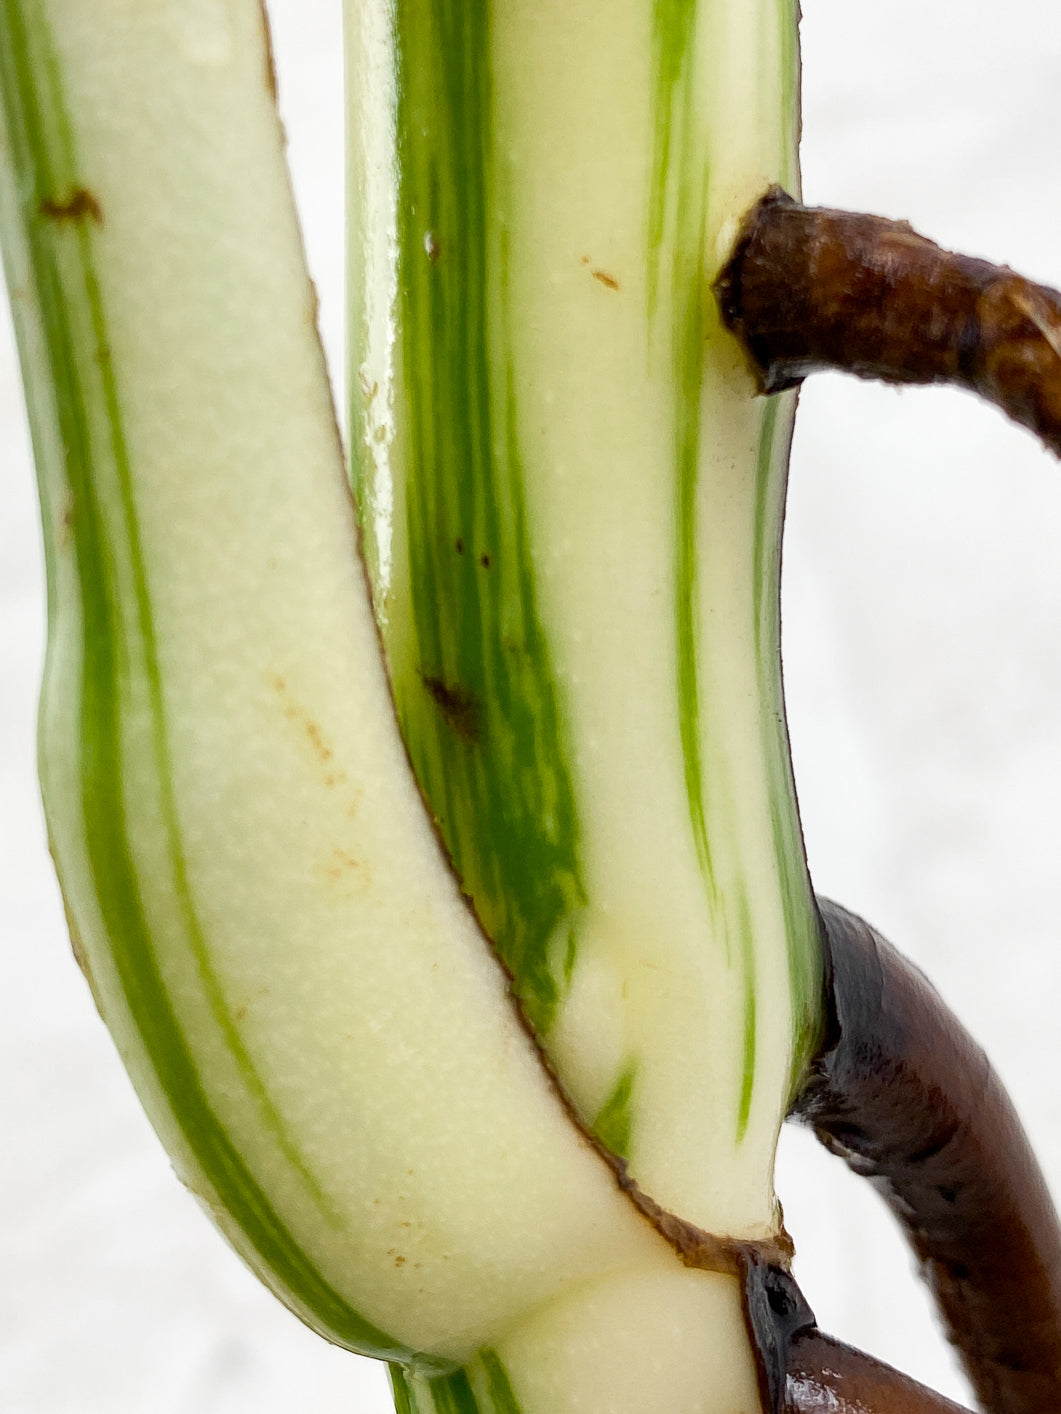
(809,289)
(907,1098)
(802,1371)
(826,1377)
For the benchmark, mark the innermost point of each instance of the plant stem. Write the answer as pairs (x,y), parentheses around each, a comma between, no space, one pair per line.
(801,1371)
(808,289)
(907,1098)
(827,1377)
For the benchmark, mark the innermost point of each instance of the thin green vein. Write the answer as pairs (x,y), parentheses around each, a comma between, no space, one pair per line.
(502,1395)
(672,29)
(744,1108)
(613,1125)
(689,357)
(109,850)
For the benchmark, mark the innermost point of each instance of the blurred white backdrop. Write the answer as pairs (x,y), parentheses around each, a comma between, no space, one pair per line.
(922,622)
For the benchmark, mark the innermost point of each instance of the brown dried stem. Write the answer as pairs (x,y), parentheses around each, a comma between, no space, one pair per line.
(826,1377)
(808,289)
(802,1371)
(909,1100)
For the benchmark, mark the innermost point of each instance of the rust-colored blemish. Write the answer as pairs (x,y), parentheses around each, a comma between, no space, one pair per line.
(270,58)
(484,560)
(66,520)
(460,708)
(459,547)
(316,736)
(297,714)
(79,205)
(239,1013)
(608,281)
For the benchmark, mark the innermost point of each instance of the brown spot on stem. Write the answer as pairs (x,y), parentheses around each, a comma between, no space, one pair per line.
(67,513)
(608,281)
(460,708)
(78,205)
(294,712)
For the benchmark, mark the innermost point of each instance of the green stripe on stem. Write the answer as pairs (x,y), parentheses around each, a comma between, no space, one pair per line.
(475,693)
(59,233)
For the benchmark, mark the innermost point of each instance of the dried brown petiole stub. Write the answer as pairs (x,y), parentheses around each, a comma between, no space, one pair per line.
(802,1371)
(808,289)
(906,1097)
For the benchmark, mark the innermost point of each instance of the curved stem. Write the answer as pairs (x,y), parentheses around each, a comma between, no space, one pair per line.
(907,1098)
(826,1377)
(809,289)
(802,1371)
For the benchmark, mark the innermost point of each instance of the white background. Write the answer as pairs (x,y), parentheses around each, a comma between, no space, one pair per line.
(922,619)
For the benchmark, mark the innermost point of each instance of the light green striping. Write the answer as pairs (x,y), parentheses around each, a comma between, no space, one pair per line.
(801,921)
(474,687)
(502,1395)
(56,181)
(744,1107)
(69,305)
(455,1393)
(689,370)
(673,22)
(680,192)
(788,23)
(676,223)
(614,1120)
